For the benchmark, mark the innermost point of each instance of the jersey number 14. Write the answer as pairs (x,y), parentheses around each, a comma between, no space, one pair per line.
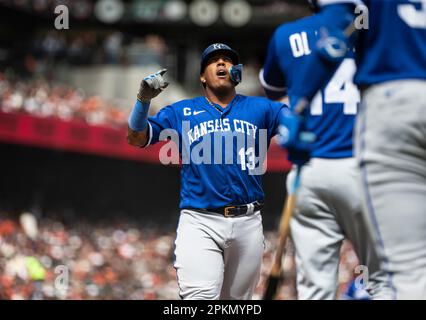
(340,89)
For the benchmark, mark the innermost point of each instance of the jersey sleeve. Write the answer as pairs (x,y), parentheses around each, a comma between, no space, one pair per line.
(274,109)
(162,120)
(270,76)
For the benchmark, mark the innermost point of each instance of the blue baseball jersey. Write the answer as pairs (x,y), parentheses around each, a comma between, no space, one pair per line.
(220,148)
(332,113)
(394,45)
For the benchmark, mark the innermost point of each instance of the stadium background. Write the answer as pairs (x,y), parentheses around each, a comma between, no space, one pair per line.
(72,193)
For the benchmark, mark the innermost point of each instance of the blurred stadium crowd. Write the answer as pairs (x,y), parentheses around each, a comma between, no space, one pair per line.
(109,261)
(37,90)
(91,47)
(36,87)
(43,98)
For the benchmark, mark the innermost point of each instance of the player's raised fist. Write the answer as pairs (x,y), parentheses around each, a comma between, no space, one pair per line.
(152,85)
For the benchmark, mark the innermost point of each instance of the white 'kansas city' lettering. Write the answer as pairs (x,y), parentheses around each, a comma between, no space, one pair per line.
(220,125)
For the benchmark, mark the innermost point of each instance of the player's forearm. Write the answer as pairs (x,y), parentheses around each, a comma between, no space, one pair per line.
(137,131)
(138,119)
(150,87)
(137,138)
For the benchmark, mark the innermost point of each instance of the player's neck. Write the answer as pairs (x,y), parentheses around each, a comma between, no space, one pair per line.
(220,98)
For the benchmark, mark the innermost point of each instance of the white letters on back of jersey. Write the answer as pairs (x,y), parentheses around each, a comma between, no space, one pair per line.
(299,44)
(413,17)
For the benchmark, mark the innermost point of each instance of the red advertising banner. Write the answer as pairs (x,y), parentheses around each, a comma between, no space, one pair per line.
(78,136)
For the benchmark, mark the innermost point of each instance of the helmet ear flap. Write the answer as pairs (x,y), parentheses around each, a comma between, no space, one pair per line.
(235,73)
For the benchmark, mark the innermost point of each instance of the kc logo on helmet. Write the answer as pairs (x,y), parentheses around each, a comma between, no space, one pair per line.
(217,46)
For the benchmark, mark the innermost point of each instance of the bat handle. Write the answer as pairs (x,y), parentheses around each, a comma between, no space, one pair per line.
(285,222)
(275,273)
(296,181)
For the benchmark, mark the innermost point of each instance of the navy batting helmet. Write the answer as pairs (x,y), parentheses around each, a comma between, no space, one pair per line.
(215,48)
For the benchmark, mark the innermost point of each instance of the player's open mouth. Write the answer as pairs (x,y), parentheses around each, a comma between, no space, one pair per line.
(222,73)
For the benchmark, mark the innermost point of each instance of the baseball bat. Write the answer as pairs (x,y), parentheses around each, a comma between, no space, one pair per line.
(287,212)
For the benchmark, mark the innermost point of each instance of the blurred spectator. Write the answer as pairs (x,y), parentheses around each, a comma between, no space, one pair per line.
(89,47)
(52,45)
(148,51)
(29,225)
(112,47)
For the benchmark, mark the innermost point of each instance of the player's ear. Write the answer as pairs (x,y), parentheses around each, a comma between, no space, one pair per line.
(203,79)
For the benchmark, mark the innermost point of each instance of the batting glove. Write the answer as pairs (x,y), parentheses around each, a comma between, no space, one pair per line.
(151,86)
(293,136)
(333,45)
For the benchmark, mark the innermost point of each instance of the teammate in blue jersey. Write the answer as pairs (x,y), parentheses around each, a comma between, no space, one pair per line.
(391,127)
(222,139)
(328,207)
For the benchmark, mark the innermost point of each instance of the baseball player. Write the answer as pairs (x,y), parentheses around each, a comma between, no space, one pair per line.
(328,207)
(390,141)
(219,242)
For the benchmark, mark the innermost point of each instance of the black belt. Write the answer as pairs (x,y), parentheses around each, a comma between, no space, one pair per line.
(233,211)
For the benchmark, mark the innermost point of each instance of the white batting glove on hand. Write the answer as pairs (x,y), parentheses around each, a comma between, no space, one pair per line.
(152,86)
